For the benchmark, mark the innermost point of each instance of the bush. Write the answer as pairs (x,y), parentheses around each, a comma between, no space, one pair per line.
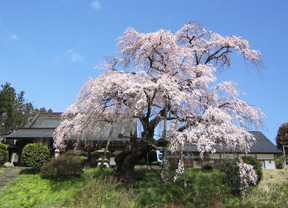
(65,166)
(4,156)
(257,166)
(233,174)
(208,167)
(280,162)
(34,155)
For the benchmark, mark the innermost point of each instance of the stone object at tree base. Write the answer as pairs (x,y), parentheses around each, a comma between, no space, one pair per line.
(8,165)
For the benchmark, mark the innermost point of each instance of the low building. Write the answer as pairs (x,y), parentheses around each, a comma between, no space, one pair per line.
(263,150)
(41,128)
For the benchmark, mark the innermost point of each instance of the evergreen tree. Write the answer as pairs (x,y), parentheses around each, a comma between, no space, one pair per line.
(15,111)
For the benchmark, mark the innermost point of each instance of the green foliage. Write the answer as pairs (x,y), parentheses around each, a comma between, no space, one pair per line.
(257,166)
(208,167)
(273,195)
(233,175)
(3,146)
(96,192)
(280,161)
(282,136)
(205,189)
(231,170)
(90,190)
(4,156)
(201,184)
(64,167)
(30,190)
(15,111)
(34,155)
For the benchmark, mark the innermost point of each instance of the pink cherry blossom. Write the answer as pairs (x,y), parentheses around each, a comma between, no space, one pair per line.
(176,72)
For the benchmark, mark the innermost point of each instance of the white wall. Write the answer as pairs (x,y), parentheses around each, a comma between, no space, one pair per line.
(269,164)
(265,156)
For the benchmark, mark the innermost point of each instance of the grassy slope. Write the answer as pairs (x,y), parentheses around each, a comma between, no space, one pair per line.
(272,190)
(205,189)
(33,191)
(30,190)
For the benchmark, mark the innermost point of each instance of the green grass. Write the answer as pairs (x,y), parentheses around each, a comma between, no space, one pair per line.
(205,189)
(90,190)
(206,185)
(2,169)
(33,191)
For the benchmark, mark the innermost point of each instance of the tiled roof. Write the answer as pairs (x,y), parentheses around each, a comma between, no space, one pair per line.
(123,128)
(45,120)
(32,133)
(262,145)
(41,126)
(44,125)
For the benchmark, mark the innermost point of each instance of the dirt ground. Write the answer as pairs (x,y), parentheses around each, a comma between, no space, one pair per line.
(9,174)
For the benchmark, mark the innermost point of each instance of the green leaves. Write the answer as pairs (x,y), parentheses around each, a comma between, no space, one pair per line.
(3,154)
(63,167)
(34,155)
(282,136)
(15,111)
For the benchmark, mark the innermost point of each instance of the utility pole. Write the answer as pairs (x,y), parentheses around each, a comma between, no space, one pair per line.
(284,153)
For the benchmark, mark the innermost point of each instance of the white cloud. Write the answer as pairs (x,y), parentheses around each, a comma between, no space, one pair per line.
(15,37)
(74,56)
(96,5)
(70,55)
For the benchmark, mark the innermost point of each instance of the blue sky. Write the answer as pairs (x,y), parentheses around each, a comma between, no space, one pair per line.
(48,48)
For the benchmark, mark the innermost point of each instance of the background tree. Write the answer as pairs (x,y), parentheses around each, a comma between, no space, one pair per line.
(282,137)
(14,109)
(170,77)
(43,110)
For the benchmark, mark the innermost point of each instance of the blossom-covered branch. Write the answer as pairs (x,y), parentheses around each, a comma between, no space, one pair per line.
(173,77)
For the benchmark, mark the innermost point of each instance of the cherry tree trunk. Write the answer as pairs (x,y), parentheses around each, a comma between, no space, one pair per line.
(126,161)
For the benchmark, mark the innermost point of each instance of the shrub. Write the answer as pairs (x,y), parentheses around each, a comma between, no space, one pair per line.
(257,166)
(4,156)
(65,166)
(232,174)
(207,167)
(280,162)
(232,169)
(240,180)
(34,155)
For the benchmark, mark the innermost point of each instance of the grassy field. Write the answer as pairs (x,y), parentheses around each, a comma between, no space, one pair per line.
(272,191)
(205,189)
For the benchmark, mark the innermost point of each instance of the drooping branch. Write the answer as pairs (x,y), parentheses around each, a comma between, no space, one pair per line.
(173,78)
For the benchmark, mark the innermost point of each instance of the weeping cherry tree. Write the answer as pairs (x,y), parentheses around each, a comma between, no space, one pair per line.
(172,77)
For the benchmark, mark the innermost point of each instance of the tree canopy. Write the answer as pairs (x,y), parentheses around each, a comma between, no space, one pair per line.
(282,136)
(164,76)
(14,109)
